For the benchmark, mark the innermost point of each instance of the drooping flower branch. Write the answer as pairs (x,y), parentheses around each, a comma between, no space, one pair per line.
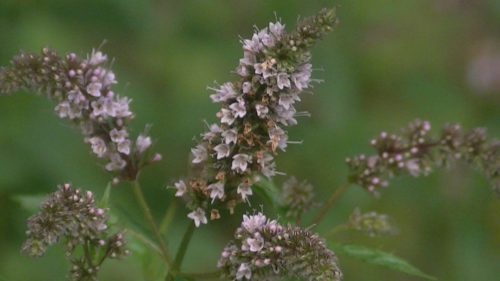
(238,150)
(263,249)
(82,89)
(71,215)
(415,152)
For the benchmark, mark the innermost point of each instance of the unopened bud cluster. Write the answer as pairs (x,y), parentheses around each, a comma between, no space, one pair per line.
(371,223)
(255,110)
(297,198)
(415,152)
(71,216)
(265,250)
(82,89)
(81,271)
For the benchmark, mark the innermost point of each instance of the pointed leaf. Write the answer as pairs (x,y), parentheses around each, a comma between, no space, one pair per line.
(377,257)
(30,203)
(268,191)
(129,219)
(104,202)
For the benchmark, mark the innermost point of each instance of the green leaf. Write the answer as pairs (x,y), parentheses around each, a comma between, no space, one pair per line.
(377,257)
(147,253)
(269,191)
(128,219)
(152,266)
(104,203)
(30,203)
(168,218)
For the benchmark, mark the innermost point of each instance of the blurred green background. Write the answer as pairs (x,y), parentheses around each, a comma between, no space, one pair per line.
(388,63)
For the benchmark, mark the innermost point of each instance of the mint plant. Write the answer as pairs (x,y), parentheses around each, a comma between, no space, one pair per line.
(231,161)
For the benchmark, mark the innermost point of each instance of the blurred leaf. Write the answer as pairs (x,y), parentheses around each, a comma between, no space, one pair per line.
(104,203)
(129,219)
(268,191)
(135,242)
(141,242)
(152,266)
(381,258)
(147,252)
(168,217)
(30,203)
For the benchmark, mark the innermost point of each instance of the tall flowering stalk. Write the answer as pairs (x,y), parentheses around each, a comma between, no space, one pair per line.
(82,89)
(255,110)
(263,249)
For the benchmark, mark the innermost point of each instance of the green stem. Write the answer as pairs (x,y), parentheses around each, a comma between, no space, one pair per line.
(86,252)
(149,218)
(329,204)
(179,257)
(105,256)
(168,217)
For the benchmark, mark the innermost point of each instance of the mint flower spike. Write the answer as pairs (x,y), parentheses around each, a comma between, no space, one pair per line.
(82,89)
(415,152)
(265,250)
(297,198)
(70,215)
(371,223)
(255,110)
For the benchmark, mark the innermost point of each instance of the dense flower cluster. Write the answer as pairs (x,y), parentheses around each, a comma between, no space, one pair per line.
(416,153)
(235,152)
(71,215)
(266,250)
(297,198)
(82,89)
(371,223)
